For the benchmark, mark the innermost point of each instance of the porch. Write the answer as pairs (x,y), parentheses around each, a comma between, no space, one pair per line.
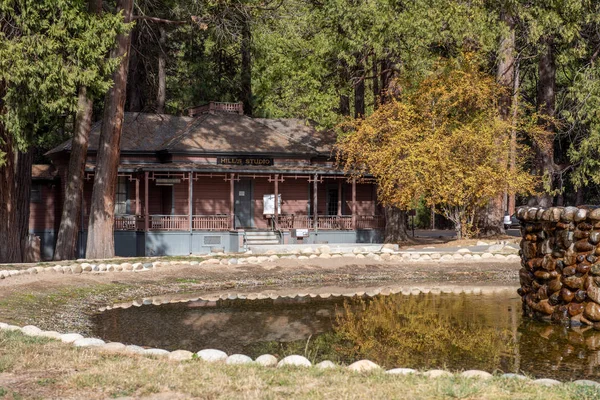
(193,212)
(175,201)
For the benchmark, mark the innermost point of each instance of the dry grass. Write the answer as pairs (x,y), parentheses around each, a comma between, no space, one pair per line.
(40,368)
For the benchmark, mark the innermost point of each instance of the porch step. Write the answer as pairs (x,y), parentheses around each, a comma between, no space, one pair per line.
(261,233)
(262,242)
(261,238)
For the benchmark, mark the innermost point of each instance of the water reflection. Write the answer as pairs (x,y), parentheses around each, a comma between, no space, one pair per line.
(424,331)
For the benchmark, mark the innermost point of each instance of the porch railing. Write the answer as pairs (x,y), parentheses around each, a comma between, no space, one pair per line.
(330,222)
(286,222)
(342,222)
(169,222)
(370,222)
(221,222)
(210,222)
(129,223)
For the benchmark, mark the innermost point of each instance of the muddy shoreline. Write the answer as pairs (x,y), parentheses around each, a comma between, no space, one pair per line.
(65,303)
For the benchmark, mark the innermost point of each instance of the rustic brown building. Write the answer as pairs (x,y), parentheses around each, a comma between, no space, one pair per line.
(208,181)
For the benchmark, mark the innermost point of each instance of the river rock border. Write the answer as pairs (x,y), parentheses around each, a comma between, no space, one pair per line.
(285,295)
(298,361)
(386,254)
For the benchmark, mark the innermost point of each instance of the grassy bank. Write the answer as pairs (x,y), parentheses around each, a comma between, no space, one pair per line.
(40,368)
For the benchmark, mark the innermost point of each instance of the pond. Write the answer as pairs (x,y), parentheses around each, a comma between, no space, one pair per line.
(425,331)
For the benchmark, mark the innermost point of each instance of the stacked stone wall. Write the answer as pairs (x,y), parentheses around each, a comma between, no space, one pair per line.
(560,259)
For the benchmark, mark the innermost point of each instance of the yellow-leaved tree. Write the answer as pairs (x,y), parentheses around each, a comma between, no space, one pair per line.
(443,142)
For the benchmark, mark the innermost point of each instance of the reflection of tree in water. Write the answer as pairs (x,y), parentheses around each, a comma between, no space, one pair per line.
(424,331)
(554,351)
(448,331)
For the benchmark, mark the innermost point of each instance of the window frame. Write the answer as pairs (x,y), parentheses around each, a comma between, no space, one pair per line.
(122,182)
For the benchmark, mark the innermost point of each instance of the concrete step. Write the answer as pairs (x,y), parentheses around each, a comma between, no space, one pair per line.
(262,237)
(262,242)
(260,233)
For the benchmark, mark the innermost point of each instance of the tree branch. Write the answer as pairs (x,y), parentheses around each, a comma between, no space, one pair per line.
(193,19)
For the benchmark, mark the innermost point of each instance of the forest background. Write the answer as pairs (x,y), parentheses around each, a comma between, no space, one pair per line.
(65,63)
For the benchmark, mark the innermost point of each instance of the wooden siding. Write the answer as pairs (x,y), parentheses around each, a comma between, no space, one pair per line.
(43,214)
(365,199)
(294,196)
(211,196)
(261,187)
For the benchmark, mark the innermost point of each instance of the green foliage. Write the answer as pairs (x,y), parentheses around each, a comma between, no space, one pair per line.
(48,48)
(316,52)
(585,153)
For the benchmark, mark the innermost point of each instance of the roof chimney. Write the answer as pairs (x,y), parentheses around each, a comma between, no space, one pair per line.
(214,106)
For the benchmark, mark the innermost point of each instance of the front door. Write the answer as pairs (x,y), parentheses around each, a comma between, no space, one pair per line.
(243,204)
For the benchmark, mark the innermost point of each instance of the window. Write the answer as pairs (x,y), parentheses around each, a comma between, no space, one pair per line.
(36,193)
(332,201)
(122,196)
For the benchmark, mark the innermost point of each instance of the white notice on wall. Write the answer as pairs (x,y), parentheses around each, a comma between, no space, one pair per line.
(269,204)
(242,193)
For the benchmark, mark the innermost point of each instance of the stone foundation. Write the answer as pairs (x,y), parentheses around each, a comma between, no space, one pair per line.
(560,274)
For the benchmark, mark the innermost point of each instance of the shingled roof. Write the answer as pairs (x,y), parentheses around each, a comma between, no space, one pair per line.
(214,133)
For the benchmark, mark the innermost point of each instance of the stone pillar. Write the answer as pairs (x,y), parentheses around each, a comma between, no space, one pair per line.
(560,274)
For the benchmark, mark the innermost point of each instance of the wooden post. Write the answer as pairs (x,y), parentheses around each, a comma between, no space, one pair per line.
(315,215)
(231,202)
(339,204)
(146,190)
(354,203)
(137,197)
(191,208)
(190,202)
(276,207)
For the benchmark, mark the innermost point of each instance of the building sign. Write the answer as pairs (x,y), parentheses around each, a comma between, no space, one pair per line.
(245,161)
(167,181)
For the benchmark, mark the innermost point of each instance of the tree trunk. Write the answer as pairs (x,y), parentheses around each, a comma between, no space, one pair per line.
(512,203)
(15,193)
(359,99)
(23,196)
(100,241)
(66,241)
(15,187)
(546,95)
(246,71)
(386,79)
(71,212)
(376,93)
(490,218)
(579,197)
(395,225)
(162,72)
(344,105)
(135,78)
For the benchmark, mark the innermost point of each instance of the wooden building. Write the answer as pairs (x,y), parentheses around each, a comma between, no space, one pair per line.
(208,181)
